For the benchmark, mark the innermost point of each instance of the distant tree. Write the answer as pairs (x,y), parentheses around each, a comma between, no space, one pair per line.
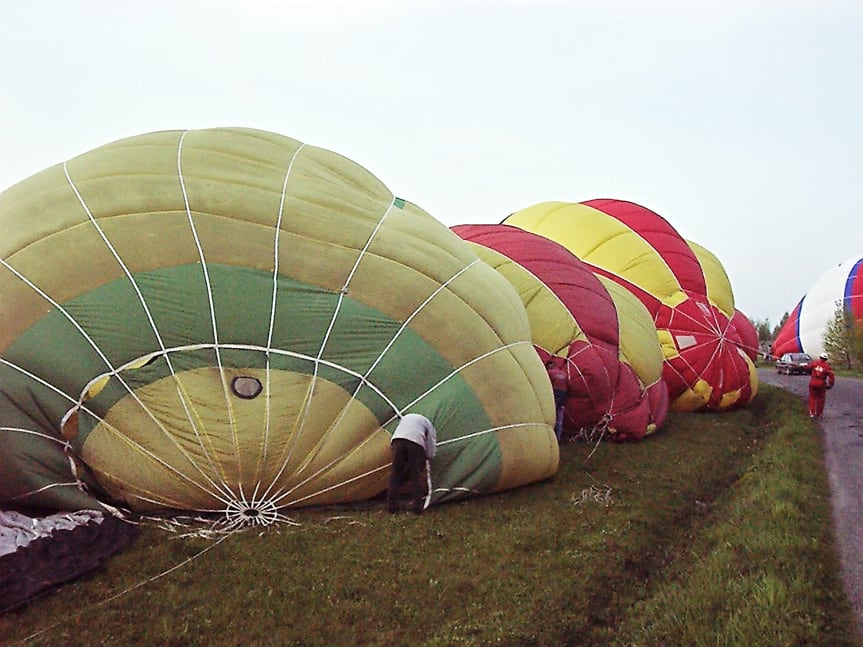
(843,337)
(765,334)
(857,340)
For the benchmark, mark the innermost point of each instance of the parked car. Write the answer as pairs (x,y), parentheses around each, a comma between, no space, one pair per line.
(793,364)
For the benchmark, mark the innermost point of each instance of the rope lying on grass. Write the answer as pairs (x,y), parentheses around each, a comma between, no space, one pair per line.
(82,610)
(594,434)
(595,494)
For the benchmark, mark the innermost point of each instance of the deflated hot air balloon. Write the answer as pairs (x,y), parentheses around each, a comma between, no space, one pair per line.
(720,294)
(230,320)
(705,365)
(640,352)
(839,287)
(574,317)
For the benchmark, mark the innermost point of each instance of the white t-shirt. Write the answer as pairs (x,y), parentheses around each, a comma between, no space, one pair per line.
(417,429)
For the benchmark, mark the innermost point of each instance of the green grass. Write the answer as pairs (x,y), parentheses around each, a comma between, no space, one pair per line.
(716,531)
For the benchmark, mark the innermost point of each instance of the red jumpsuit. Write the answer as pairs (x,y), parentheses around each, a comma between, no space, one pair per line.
(821,378)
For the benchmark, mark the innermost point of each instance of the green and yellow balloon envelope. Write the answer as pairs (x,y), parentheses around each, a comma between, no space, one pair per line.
(229,319)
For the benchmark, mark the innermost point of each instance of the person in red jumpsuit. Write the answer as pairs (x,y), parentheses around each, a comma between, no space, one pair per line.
(821,378)
(560,388)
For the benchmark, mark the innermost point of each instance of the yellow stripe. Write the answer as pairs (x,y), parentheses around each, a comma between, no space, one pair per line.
(639,345)
(600,240)
(552,326)
(719,290)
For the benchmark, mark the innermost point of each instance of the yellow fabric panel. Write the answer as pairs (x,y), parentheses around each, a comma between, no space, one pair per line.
(719,289)
(527,440)
(520,367)
(477,299)
(552,326)
(54,265)
(329,474)
(639,343)
(728,399)
(694,398)
(600,240)
(753,377)
(666,343)
(190,466)
(29,201)
(675,298)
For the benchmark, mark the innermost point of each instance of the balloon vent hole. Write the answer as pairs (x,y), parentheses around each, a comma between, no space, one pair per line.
(246,387)
(251,512)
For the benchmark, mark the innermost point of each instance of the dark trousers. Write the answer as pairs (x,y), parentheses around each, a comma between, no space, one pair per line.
(560,410)
(409,460)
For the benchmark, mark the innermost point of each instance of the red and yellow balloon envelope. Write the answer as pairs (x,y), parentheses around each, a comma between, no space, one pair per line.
(605,341)
(230,320)
(706,365)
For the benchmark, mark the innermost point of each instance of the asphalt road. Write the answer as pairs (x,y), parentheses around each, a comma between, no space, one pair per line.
(842,427)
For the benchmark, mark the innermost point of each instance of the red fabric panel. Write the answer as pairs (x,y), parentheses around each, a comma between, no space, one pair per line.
(788,338)
(660,235)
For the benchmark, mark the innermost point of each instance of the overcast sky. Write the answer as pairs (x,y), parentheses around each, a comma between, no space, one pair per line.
(739,121)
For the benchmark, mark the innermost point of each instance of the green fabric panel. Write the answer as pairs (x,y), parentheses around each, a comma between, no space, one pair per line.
(472,463)
(242,303)
(242,300)
(116,321)
(30,404)
(29,463)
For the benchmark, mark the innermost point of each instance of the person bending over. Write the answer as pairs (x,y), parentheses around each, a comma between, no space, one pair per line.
(413,444)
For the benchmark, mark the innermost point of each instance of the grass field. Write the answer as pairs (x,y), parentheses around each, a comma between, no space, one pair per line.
(716,531)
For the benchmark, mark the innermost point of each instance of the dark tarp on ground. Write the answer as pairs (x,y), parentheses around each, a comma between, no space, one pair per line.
(37,553)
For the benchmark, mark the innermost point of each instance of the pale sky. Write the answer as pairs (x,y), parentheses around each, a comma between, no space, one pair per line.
(739,121)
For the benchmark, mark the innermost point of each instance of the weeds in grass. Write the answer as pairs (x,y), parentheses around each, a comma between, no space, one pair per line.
(716,531)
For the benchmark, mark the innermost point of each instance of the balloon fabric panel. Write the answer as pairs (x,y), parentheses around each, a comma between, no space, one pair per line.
(717,283)
(660,235)
(603,242)
(854,291)
(788,338)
